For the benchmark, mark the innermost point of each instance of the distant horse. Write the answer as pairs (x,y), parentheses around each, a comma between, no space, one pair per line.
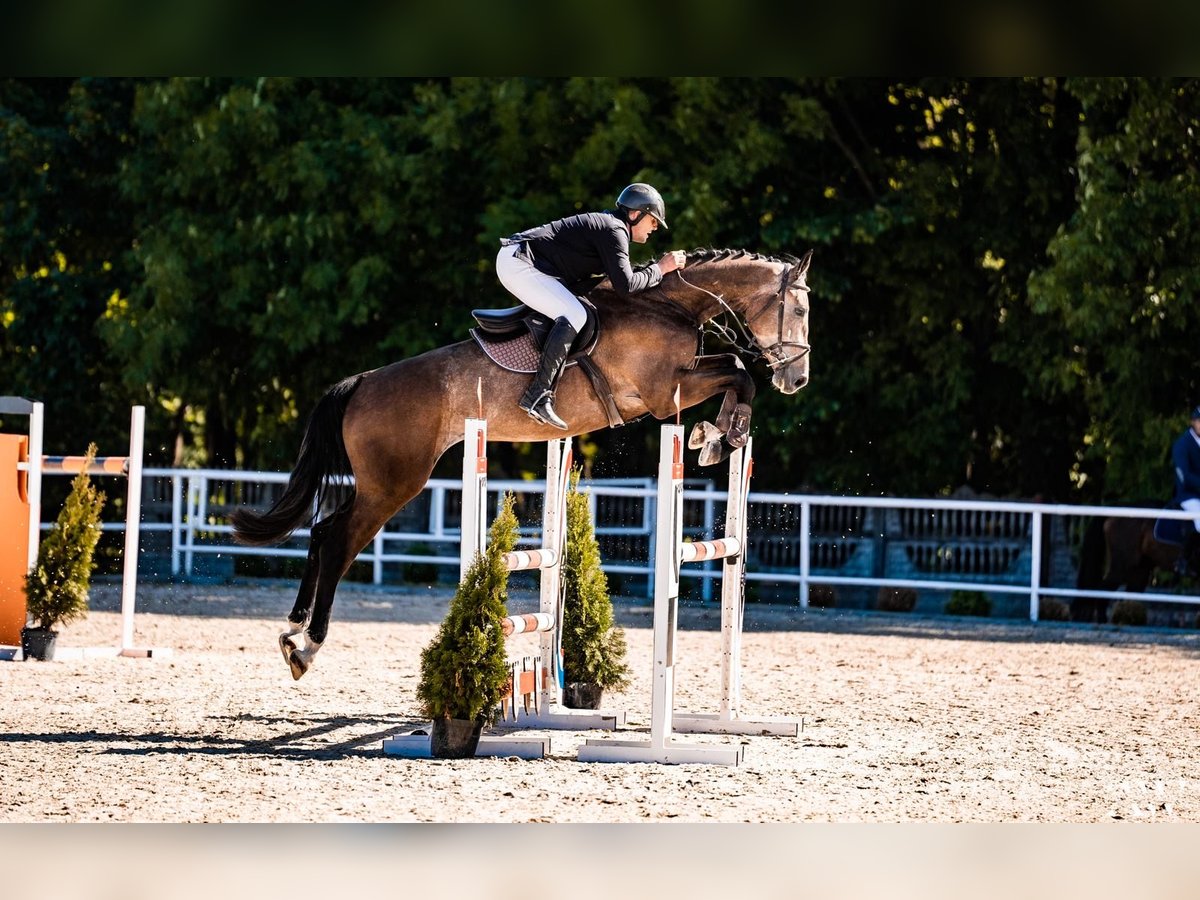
(389,426)
(1119,551)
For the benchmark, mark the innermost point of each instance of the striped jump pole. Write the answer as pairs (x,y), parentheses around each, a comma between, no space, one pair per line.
(36,465)
(670,553)
(730,549)
(547,709)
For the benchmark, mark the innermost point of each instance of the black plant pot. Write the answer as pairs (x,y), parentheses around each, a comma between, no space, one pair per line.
(38,643)
(582,695)
(454,738)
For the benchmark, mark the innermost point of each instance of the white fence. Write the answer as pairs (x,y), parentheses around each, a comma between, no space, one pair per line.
(797,541)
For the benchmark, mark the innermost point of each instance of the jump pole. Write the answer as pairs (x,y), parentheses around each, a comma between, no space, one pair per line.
(36,465)
(548,711)
(728,720)
(670,553)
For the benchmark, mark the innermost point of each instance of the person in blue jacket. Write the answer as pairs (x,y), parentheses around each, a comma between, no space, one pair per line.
(548,266)
(1185,459)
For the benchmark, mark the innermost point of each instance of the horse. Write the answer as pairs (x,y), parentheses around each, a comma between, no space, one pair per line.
(388,427)
(1117,551)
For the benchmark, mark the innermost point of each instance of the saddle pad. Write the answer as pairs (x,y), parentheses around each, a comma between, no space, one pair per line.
(519,354)
(1170,531)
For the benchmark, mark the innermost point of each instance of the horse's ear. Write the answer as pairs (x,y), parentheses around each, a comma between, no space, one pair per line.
(802,266)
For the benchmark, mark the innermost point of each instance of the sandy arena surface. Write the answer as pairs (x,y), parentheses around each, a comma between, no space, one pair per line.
(904,719)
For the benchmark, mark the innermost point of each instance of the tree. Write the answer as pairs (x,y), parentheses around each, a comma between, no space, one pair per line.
(593,648)
(64,240)
(56,588)
(1122,281)
(464,669)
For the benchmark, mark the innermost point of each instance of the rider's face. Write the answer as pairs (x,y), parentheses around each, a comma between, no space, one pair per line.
(1196,427)
(641,230)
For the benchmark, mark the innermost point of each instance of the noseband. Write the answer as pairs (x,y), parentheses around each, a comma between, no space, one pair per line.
(777,355)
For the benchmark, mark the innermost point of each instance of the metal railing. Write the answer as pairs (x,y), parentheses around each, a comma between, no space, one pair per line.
(796,540)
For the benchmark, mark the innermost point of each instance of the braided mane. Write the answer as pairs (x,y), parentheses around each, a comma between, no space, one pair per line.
(704,255)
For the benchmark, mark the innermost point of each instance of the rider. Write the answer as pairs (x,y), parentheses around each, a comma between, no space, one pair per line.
(546,267)
(1185,458)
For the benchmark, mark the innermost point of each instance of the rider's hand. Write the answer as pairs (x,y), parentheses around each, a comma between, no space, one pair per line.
(672,260)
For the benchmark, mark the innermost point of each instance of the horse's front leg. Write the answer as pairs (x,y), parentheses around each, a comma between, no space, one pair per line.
(708,376)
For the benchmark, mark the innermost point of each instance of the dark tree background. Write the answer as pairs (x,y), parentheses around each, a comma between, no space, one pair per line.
(1004,275)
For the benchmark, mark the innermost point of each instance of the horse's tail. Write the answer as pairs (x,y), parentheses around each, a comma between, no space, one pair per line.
(322,455)
(1091,557)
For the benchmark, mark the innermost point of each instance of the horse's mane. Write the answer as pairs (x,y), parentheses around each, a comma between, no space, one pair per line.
(700,257)
(705,255)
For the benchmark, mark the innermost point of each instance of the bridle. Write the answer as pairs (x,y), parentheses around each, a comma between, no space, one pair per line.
(779,354)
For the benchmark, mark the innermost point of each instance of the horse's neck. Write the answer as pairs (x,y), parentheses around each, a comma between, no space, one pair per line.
(707,294)
(696,295)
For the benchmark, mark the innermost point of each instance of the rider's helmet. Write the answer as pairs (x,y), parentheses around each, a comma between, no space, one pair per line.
(1195,413)
(645,198)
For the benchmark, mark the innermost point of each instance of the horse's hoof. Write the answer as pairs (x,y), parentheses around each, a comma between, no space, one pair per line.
(739,426)
(297,665)
(703,433)
(712,453)
(287,646)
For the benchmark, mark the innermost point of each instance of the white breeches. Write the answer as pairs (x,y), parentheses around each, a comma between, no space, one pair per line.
(1192,506)
(535,289)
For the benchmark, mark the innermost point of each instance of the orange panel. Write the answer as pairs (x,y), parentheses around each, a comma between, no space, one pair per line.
(14,537)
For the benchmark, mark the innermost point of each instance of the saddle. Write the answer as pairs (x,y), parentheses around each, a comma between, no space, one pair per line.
(1170,531)
(513,339)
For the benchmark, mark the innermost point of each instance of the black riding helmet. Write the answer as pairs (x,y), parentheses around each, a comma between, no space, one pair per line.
(643,197)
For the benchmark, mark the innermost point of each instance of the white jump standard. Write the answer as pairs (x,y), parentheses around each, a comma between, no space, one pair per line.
(535,700)
(128,467)
(670,553)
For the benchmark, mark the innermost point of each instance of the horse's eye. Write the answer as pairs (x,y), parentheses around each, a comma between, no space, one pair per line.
(801,311)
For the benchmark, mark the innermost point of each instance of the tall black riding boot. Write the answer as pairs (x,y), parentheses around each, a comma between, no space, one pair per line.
(538,399)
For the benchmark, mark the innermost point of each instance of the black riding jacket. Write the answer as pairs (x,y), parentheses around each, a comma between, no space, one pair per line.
(1185,459)
(581,250)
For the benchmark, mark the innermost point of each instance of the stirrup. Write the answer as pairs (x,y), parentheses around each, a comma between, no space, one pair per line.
(541,410)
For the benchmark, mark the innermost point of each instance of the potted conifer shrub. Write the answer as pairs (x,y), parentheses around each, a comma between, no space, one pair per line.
(464,670)
(593,648)
(56,588)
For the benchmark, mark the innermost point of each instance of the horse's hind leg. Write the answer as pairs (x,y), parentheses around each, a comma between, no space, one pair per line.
(302,609)
(347,535)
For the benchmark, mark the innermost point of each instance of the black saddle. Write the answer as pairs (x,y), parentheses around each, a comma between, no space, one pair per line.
(505,324)
(498,327)
(1171,531)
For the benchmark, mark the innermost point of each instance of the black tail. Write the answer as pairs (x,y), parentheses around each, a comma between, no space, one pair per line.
(1091,557)
(322,455)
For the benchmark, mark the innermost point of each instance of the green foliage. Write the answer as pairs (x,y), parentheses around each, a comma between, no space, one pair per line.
(1122,281)
(896,599)
(1051,610)
(56,589)
(593,648)
(1005,269)
(969,603)
(65,235)
(1128,612)
(464,670)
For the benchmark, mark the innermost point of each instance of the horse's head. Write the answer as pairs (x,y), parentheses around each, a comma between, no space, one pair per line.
(788,357)
(769,301)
